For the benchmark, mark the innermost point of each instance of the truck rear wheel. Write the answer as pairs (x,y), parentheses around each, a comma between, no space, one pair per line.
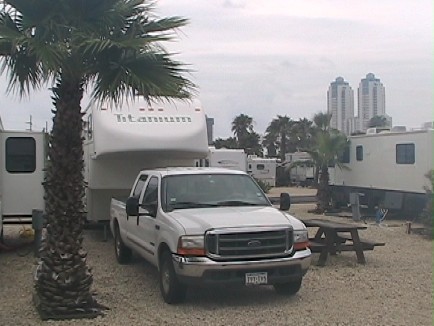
(122,252)
(171,289)
(289,288)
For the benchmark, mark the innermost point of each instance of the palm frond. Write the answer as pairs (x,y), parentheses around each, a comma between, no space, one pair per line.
(148,75)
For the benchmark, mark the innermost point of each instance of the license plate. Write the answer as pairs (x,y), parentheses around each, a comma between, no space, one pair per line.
(256,278)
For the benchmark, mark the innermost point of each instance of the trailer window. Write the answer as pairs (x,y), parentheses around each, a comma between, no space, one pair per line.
(345,156)
(260,167)
(359,153)
(405,154)
(20,155)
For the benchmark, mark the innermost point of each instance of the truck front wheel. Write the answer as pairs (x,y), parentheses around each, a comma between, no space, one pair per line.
(289,288)
(122,252)
(171,289)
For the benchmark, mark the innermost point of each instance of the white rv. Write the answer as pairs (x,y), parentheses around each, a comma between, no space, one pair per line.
(388,169)
(263,169)
(302,169)
(120,143)
(233,159)
(21,175)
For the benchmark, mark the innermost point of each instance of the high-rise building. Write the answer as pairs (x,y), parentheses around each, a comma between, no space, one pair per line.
(371,100)
(210,129)
(340,104)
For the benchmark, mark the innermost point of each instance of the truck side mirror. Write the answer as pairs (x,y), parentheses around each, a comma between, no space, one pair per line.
(132,206)
(152,208)
(285,201)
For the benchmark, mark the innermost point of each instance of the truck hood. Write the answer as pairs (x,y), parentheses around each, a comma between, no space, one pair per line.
(199,220)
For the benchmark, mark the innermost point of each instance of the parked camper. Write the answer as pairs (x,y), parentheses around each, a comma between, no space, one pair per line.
(21,175)
(302,169)
(233,159)
(387,169)
(121,142)
(263,169)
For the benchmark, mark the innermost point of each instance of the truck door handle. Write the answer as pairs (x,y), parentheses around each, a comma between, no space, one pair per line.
(157,227)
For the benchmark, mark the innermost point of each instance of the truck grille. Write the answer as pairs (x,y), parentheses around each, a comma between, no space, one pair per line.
(243,243)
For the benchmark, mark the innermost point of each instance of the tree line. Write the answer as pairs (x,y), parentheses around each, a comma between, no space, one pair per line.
(282,135)
(325,145)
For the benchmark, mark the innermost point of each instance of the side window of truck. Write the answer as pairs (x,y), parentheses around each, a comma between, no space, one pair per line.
(151,192)
(140,185)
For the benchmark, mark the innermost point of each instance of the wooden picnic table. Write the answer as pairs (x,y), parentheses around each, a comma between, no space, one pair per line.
(333,237)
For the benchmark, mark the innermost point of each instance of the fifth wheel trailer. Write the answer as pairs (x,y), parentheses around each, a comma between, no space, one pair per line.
(233,159)
(121,142)
(118,143)
(387,169)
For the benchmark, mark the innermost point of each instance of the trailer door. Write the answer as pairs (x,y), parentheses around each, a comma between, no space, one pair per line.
(22,164)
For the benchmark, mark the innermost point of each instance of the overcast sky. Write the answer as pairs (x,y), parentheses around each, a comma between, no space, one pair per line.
(265,58)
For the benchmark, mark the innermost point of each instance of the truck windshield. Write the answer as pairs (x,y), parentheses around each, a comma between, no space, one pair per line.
(210,190)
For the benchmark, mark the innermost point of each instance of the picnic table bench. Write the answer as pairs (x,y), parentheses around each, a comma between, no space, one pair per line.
(333,237)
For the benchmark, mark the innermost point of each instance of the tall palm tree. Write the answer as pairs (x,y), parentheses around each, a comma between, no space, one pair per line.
(113,46)
(279,131)
(252,144)
(302,133)
(322,121)
(269,142)
(242,126)
(329,146)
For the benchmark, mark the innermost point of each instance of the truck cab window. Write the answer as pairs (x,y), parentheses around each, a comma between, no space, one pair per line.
(151,192)
(20,155)
(139,186)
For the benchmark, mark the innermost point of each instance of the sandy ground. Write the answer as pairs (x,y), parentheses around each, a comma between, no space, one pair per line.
(393,288)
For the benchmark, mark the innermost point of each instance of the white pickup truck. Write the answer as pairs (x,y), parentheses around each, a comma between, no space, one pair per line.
(209,226)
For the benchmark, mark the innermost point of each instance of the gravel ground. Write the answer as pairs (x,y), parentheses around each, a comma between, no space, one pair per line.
(393,288)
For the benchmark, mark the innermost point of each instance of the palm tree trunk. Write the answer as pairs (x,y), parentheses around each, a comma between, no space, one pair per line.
(323,194)
(63,279)
(282,146)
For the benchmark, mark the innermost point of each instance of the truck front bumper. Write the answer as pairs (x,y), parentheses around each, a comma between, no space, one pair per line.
(195,270)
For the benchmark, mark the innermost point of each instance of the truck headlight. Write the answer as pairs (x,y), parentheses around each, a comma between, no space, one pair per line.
(191,245)
(301,239)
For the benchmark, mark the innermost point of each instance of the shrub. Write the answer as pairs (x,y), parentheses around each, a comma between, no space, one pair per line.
(264,185)
(426,217)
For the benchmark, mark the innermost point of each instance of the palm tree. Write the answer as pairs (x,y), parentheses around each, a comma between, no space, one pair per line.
(113,46)
(230,142)
(252,144)
(278,131)
(329,147)
(322,121)
(242,126)
(269,142)
(377,121)
(301,134)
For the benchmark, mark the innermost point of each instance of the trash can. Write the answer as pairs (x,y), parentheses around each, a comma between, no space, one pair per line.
(355,205)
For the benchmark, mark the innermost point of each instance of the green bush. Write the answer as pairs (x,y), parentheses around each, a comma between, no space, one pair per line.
(264,185)
(426,217)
